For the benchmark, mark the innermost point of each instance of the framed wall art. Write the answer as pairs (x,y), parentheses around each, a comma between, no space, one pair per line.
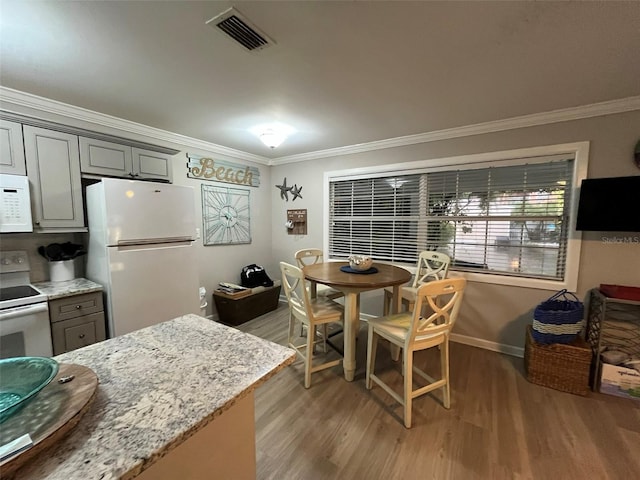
(226,218)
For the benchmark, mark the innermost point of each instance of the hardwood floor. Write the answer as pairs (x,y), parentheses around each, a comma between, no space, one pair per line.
(499,426)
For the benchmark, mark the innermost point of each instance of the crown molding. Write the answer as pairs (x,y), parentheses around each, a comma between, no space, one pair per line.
(29,100)
(554,116)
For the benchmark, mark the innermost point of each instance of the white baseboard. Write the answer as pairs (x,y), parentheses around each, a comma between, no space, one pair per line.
(455,337)
(477,342)
(487,345)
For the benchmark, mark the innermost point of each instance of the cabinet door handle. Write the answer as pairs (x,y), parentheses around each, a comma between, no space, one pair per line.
(81,335)
(78,307)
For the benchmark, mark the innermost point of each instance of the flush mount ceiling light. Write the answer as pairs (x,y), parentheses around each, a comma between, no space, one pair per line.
(272,134)
(272,139)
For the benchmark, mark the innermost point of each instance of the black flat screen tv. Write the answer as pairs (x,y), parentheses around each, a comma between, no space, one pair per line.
(609,205)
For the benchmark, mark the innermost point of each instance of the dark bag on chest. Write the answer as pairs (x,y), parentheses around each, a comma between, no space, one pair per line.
(255,276)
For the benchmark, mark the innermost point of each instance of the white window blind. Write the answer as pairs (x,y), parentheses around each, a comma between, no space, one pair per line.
(501,219)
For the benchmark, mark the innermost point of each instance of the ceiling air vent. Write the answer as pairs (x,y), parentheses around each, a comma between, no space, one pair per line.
(241,30)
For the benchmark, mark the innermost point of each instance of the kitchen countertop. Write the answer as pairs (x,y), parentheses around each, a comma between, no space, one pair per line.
(67,288)
(157,387)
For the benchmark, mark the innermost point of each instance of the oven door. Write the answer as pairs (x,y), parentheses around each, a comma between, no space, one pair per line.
(25,331)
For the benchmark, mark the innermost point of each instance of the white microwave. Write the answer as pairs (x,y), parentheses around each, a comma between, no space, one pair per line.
(15,204)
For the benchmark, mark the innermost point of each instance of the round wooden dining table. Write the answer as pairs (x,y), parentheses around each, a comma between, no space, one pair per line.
(352,284)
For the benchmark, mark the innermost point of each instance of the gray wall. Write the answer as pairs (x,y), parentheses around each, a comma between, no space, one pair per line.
(492,314)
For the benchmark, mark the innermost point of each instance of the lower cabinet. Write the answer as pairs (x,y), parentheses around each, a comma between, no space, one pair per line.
(76,321)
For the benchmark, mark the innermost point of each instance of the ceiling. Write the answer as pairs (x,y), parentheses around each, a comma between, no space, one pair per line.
(341,73)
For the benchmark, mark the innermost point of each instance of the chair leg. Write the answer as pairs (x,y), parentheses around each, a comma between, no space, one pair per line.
(444,366)
(386,306)
(407,370)
(308,360)
(410,304)
(324,338)
(372,346)
(292,322)
(395,352)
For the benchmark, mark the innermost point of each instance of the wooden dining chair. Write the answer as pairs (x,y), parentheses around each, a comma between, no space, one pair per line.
(411,332)
(311,256)
(431,266)
(311,313)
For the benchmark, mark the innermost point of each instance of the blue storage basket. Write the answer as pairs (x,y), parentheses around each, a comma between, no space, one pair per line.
(558,319)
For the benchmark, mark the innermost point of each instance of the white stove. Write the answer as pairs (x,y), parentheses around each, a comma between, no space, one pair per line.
(24,311)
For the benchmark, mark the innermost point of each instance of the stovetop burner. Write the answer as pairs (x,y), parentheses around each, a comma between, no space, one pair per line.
(21,291)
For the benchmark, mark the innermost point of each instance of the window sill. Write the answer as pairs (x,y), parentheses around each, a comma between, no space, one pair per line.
(495,279)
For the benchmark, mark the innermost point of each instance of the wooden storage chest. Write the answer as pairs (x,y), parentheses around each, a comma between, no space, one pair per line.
(235,311)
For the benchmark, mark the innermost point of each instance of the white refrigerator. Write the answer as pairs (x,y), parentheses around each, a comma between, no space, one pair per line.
(141,251)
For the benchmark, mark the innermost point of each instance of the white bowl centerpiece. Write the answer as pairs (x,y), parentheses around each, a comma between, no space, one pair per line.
(360,262)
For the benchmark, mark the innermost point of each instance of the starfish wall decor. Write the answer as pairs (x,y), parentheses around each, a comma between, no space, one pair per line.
(295,191)
(284,190)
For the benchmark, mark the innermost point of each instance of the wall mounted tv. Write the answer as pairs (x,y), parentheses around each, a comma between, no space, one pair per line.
(609,205)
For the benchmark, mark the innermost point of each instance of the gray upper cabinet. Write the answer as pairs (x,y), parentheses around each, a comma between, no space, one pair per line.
(149,164)
(105,158)
(99,157)
(11,148)
(53,168)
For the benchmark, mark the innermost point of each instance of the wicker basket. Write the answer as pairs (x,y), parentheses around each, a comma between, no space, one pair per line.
(558,319)
(563,367)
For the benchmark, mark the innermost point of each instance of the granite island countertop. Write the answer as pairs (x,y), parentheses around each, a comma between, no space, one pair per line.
(68,288)
(157,387)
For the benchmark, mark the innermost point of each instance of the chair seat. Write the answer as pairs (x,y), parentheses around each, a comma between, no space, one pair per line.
(396,327)
(326,291)
(324,311)
(408,293)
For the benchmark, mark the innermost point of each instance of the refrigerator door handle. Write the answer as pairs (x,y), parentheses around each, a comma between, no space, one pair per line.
(154,241)
(153,246)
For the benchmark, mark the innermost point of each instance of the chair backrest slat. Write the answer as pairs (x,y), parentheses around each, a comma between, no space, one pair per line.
(432,295)
(293,282)
(431,266)
(309,256)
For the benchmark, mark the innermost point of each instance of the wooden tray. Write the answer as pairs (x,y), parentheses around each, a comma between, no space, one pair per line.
(51,414)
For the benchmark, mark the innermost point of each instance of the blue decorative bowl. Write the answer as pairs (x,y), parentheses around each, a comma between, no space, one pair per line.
(21,378)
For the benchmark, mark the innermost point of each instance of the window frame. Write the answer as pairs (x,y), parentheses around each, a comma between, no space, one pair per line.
(580,153)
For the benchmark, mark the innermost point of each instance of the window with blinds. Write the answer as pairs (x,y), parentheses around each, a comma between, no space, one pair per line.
(497,219)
